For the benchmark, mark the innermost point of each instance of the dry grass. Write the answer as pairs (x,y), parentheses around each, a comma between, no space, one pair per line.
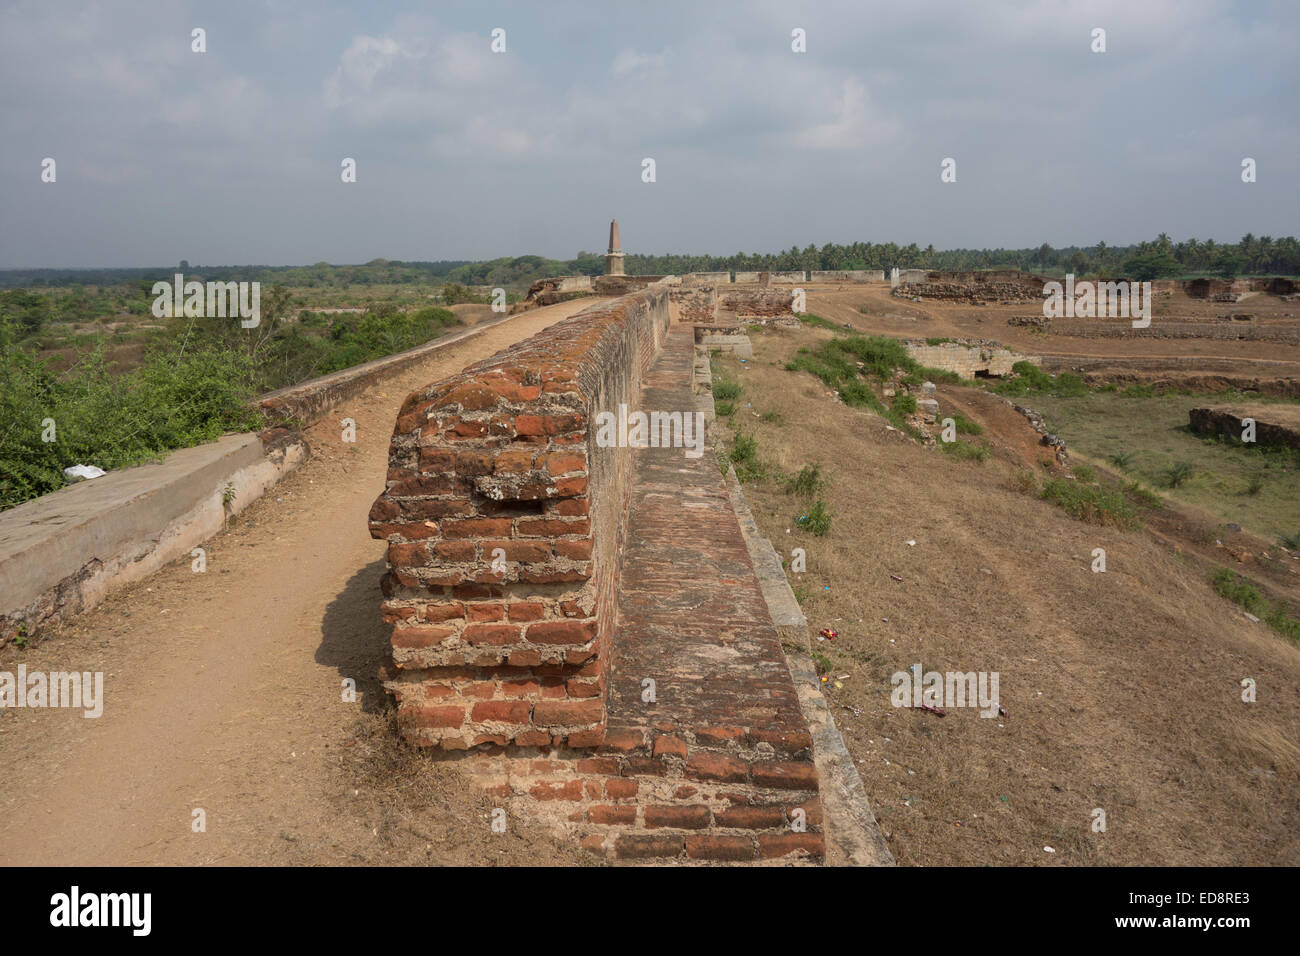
(1121,689)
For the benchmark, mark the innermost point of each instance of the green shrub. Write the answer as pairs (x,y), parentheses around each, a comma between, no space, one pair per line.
(965,426)
(808,483)
(817,520)
(905,404)
(724,409)
(1084,473)
(1122,460)
(1090,503)
(1176,475)
(961,449)
(725,390)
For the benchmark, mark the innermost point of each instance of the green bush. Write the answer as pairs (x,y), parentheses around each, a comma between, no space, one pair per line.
(808,483)
(725,390)
(1090,503)
(817,520)
(961,449)
(905,404)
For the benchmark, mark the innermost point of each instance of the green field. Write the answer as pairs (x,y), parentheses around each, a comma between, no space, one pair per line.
(1256,487)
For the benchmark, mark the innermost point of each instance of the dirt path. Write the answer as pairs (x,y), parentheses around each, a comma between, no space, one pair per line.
(223,691)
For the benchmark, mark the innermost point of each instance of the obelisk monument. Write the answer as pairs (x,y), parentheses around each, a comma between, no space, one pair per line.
(614,257)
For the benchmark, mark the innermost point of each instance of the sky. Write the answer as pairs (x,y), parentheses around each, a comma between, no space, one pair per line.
(234,155)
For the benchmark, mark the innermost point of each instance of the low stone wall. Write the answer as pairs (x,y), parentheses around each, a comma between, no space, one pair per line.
(622,285)
(846,275)
(503,518)
(706,278)
(1282,431)
(306,403)
(787,277)
(748,276)
(63,552)
(965,359)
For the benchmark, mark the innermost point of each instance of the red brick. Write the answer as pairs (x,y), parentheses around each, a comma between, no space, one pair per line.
(669,746)
(456,550)
(552,527)
(562,463)
(521,688)
(485,612)
(417,637)
(625,814)
(553,790)
(710,766)
(562,632)
(408,555)
(624,741)
(506,711)
(432,715)
(752,818)
(524,551)
(781,844)
(569,507)
(640,846)
(590,737)
(436,460)
(701,846)
(680,818)
(574,550)
(526,610)
(494,634)
(444,612)
(384,510)
(607,765)
(548,713)
(525,657)
(620,789)
(788,775)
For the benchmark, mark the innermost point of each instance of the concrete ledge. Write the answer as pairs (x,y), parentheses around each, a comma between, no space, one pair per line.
(62,552)
(307,403)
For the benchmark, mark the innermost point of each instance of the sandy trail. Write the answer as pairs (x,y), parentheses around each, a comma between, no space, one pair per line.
(223,690)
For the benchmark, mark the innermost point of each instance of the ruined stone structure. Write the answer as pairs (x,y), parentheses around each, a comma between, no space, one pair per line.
(538,580)
(614,257)
(1006,285)
(503,556)
(968,358)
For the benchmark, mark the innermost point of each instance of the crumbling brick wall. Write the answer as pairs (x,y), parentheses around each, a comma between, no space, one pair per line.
(696,306)
(501,460)
(760,302)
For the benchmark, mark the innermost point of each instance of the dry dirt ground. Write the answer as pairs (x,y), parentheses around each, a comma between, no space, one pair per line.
(933,318)
(224,693)
(1122,689)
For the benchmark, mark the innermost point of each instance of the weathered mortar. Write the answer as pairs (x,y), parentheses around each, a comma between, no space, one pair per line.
(503,456)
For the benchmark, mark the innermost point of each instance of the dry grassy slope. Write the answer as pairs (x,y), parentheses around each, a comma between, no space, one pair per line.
(1122,688)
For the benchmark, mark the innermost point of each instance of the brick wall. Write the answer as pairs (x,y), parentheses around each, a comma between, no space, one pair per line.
(503,456)
(764,302)
(846,275)
(696,306)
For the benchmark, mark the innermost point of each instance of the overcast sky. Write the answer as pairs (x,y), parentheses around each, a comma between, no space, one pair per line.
(233,156)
